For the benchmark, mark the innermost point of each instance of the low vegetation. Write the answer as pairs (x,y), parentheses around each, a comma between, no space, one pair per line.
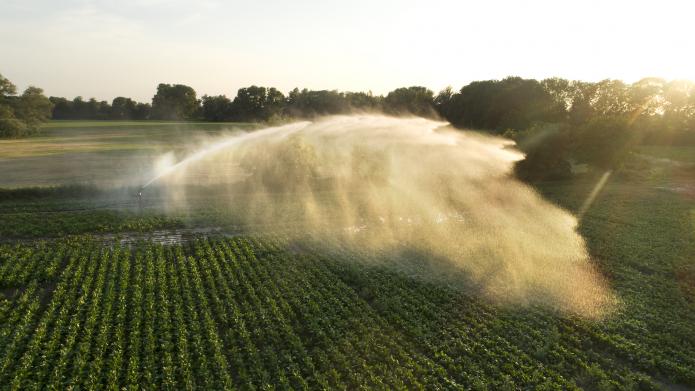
(261,310)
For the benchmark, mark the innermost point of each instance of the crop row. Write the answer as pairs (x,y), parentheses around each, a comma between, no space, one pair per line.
(263,312)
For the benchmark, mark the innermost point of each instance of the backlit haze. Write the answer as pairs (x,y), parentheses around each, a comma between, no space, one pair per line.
(125,48)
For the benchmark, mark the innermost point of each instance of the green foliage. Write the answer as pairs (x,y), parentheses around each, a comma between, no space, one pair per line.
(599,122)
(363,101)
(216,108)
(121,108)
(254,103)
(258,311)
(546,147)
(412,100)
(307,103)
(33,107)
(78,108)
(595,123)
(12,127)
(126,108)
(257,104)
(6,87)
(22,115)
(603,141)
(174,102)
(498,105)
(53,193)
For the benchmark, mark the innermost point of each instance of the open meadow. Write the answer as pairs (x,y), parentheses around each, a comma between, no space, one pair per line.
(96,152)
(99,291)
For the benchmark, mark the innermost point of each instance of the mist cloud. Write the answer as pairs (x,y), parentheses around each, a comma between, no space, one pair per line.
(444,201)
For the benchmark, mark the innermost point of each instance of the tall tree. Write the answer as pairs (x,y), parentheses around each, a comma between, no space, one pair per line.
(142,111)
(411,100)
(310,103)
(216,108)
(174,102)
(33,107)
(498,105)
(274,104)
(122,108)
(22,115)
(249,103)
(10,126)
(442,102)
(256,103)
(363,101)
(6,87)
(62,108)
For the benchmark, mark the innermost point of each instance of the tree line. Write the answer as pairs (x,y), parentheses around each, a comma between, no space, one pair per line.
(251,104)
(556,122)
(559,122)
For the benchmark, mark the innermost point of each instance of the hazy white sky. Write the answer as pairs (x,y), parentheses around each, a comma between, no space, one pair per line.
(126,47)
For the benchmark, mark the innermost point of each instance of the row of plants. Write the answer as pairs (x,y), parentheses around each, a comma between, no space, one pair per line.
(265,311)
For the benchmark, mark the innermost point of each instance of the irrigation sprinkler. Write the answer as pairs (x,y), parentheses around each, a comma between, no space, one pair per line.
(140,198)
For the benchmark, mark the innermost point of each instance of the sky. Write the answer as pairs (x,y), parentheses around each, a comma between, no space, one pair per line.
(105,49)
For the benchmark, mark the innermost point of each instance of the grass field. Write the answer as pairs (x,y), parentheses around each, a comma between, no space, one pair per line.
(685,154)
(93,297)
(102,152)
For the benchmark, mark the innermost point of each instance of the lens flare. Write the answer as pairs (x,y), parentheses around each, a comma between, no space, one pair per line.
(594,193)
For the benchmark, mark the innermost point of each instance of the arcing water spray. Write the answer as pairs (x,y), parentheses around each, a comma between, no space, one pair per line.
(405,185)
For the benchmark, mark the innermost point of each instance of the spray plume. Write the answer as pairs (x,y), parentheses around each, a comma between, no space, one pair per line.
(405,188)
(219,146)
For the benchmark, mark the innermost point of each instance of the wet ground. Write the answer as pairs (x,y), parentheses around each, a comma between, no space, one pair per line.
(166,237)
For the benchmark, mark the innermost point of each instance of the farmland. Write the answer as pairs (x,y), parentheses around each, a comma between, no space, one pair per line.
(96,152)
(92,298)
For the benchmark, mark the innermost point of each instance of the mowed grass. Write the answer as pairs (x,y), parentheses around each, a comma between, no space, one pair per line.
(69,124)
(88,151)
(59,137)
(683,154)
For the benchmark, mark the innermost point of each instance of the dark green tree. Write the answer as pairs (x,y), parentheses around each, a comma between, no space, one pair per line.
(122,108)
(216,108)
(249,104)
(22,115)
(174,102)
(274,104)
(611,98)
(442,102)
(411,100)
(33,107)
(142,111)
(363,101)
(498,105)
(310,103)
(603,141)
(6,87)
(10,126)
(62,108)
